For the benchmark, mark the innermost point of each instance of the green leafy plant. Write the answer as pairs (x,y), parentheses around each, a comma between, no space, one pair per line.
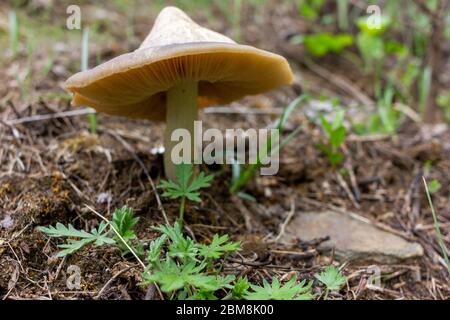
(123,222)
(386,120)
(332,278)
(291,290)
(371,43)
(186,187)
(187,269)
(181,267)
(240,289)
(310,9)
(321,44)
(336,133)
(434,186)
(97,236)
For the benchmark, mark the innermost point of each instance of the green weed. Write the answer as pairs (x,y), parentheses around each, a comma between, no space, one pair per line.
(186,186)
(336,133)
(332,278)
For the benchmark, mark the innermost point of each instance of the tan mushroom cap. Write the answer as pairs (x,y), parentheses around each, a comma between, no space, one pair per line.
(177,49)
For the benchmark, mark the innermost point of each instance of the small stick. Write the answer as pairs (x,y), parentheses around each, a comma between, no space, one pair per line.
(347,190)
(48,116)
(242,110)
(286,221)
(111,280)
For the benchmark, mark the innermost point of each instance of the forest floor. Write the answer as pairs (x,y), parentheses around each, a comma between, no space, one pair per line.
(50,169)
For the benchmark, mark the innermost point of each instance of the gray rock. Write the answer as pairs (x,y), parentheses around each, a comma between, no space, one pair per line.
(352,239)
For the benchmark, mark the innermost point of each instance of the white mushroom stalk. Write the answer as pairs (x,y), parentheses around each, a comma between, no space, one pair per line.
(181,113)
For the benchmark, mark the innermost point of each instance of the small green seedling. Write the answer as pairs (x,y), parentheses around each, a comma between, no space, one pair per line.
(370,42)
(123,222)
(332,278)
(336,133)
(183,268)
(240,289)
(310,9)
(188,269)
(434,186)
(321,44)
(186,187)
(291,290)
(386,120)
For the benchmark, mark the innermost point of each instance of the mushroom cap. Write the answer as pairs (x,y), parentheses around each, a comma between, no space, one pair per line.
(177,49)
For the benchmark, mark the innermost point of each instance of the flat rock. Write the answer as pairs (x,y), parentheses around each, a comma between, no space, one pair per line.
(351,239)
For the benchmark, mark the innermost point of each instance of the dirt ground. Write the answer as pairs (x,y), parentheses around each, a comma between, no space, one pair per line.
(50,169)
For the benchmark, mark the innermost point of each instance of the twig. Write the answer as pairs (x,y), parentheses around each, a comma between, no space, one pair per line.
(111,280)
(347,190)
(286,221)
(305,254)
(41,117)
(339,82)
(250,263)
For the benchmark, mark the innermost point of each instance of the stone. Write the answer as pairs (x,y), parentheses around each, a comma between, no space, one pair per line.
(351,239)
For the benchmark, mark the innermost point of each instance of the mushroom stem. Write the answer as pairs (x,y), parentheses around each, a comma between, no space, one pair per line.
(181,113)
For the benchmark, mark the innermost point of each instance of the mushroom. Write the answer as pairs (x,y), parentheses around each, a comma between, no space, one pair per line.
(179,68)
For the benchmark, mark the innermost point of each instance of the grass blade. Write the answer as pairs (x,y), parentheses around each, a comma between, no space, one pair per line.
(437,226)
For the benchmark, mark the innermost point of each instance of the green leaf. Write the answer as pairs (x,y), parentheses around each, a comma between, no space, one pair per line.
(182,188)
(275,291)
(201,181)
(61,230)
(321,44)
(97,236)
(154,251)
(331,278)
(71,246)
(240,288)
(182,247)
(337,137)
(338,120)
(326,126)
(173,277)
(218,247)
(124,221)
(434,186)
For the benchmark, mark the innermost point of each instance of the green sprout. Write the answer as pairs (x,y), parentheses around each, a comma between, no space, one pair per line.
(123,223)
(186,187)
(336,133)
(332,278)
(291,290)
